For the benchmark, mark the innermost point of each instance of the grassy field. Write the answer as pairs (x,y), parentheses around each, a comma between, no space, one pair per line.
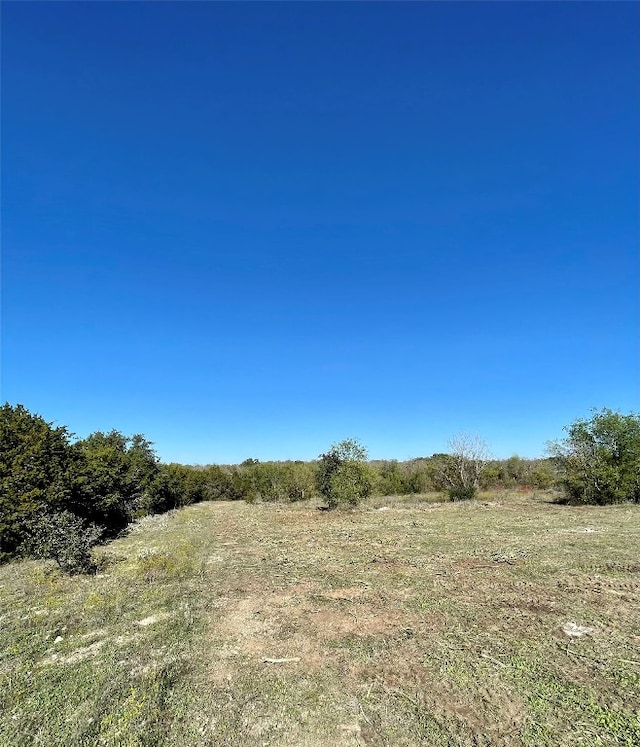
(404,622)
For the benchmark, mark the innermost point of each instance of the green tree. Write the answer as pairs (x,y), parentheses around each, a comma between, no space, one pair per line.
(174,486)
(246,480)
(599,461)
(438,469)
(117,476)
(271,481)
(542,474)
(515,469)
(343,475)
(37,472)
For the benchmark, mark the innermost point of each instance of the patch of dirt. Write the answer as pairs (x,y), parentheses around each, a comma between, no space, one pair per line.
(303,622)
(74,657)
(346,594)
(99,633)
(366,620)
(466,564)
(152,619)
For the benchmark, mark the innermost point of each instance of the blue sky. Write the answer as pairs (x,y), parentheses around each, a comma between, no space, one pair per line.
(255,229)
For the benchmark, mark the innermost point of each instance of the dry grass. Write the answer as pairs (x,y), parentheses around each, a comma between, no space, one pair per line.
(407,622)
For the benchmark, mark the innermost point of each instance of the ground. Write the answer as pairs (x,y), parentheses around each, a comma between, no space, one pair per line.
(510,620)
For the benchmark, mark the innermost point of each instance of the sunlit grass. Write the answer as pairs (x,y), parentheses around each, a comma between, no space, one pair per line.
(405,622)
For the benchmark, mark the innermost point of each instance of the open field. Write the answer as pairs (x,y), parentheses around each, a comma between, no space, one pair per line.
(401,623)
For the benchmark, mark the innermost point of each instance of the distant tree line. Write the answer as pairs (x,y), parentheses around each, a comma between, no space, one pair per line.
(431,474)
(52,486)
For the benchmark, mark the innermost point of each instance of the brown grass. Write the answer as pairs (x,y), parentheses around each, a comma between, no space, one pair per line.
(423,624)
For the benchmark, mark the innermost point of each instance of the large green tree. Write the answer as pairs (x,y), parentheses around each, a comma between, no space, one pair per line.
(37,472)
(116,475)
(599,460)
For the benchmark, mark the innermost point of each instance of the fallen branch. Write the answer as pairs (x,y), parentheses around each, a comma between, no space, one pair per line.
(495,661)
(400,693)
(281,661)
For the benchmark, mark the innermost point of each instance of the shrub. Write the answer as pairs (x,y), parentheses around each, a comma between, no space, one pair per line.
(63,537)
(599,461)
(350,484)
(462,492)
(343,475)
(543,476)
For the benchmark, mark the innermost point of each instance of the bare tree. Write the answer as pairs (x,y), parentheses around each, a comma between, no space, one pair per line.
(468,454)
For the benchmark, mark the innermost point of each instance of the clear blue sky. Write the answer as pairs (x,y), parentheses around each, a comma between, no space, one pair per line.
(254,229)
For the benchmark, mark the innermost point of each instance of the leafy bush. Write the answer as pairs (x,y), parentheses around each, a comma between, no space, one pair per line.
(271,481)
(106,478)
(343,475)
(177,485)
(599,461)
(350,484)
(543,475)
(299,480)
(462,492)
(390,478)
(63,537)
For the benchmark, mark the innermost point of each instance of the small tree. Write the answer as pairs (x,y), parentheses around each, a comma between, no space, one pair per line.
(343,474)
(464,464)
(599,461)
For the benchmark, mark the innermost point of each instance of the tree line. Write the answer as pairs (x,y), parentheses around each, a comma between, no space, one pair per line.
(60,495)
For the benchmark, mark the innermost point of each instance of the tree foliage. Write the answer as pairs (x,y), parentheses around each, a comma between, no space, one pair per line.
(50,486)
(115,476)
(343,475)
(599,461)
(37,471)
(517,472)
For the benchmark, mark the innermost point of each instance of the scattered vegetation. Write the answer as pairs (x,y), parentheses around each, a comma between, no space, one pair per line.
(58,495)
